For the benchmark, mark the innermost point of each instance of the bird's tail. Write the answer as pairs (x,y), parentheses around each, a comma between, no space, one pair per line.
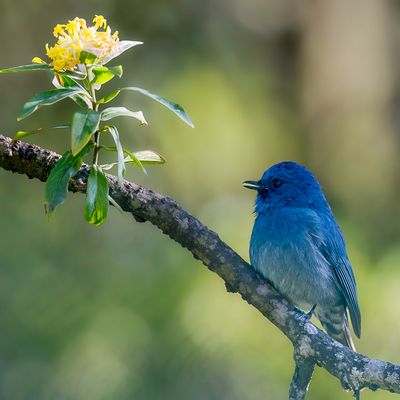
(337,326)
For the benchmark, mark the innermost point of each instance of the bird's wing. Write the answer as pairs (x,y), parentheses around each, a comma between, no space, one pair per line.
(332,247)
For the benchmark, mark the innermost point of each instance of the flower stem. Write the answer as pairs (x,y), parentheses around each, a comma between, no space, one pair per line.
(95,107)
(96,147)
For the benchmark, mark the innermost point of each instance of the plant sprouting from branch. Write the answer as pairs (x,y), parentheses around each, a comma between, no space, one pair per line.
(78,65)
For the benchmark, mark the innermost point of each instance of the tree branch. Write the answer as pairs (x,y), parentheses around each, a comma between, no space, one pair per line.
(301,378)
(311,346)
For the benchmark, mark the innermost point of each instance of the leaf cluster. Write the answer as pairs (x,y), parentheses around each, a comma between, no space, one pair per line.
(88,124)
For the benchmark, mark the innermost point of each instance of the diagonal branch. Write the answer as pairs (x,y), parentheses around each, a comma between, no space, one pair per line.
(311,346)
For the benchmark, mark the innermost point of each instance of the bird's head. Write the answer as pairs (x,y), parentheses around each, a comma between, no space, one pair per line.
(287,184)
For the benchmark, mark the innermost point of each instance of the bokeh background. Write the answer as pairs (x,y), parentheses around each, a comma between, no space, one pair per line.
(122,312)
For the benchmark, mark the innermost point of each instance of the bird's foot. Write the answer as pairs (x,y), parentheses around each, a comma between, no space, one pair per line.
(305,317)
(311,312)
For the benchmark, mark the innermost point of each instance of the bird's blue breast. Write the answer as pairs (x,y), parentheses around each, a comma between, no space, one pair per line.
(283,250)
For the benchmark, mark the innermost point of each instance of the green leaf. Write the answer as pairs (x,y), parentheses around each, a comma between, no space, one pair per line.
(75,74)
(87,58)
(130,159)
(83,98)
(140,158)
(21,134)
(109,97)
(27,68)
(106,167)
(104,74)
(115,204)
(57,183)
(84,125)
(96,208)
(120,152)
(113,112)
(66,81)
(174,107)
(123,45)
(117,70)
(149,157)
(46,99)
(82,101)
(101,75)
(135,160)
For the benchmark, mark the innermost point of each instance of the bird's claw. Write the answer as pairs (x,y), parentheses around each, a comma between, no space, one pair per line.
(311,312)
(305,317)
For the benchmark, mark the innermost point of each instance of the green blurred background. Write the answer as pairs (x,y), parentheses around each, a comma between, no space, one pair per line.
(122,312)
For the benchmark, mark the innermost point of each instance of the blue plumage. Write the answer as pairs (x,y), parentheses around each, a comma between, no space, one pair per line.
(297,245)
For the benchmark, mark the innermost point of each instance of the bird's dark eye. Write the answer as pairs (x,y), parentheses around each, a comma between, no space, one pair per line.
(275,183)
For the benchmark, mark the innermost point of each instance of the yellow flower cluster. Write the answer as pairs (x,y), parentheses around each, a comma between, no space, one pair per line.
(75,37)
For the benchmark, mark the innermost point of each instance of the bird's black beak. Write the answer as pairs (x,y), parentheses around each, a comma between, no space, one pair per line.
(253,185)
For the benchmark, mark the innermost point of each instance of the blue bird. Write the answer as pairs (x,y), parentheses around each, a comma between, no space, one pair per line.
(297,245)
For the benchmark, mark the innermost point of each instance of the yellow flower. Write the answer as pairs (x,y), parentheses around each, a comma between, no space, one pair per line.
(75,37)
(58,30)
(38,60)
(100,22)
